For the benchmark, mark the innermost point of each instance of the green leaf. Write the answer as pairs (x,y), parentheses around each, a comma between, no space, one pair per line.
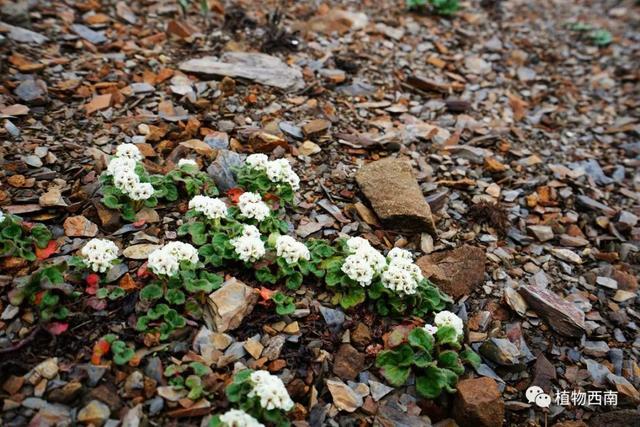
(422,360)
(117,293)
(353,297)
(449,359)
(264,275)
(123,357)
(143,323)
(175,296)
(447,335)
(200,369)
(234,392)
(197,230)
(419,338)
(171,192)
(12,231)
(395,375)
(401,356)
(151,292)
(471,357)
(294,281)
(111,202)
(285,309)
(41,235)
(332,278)
(215,421)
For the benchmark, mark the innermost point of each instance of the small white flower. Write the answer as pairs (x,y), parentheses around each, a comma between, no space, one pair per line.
(252,206)
(166,260)
(141,191)
(126,180)
(99,254)
(163,262)
(375,259)
(280,171)
(356,243)
(250,231)
(187,162)
(257,161)
(182,251)
(357,268)
(249,248)
(129,151)
(120,164)
(362,248)
(239,418)
(2,216)
(209,207)
(447,318)
(271,391)
(398,253)
(430,329)
(291,250)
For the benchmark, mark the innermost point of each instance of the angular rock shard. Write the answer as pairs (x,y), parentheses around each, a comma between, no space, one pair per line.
(562,316)
(394,194)
(479,403)
(229,305)
(456,272)
(265,69)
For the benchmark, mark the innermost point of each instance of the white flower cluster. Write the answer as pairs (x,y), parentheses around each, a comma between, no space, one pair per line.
(208,206)
(98,254)
(122,169)
(239,418)
(291,250)
(249,246)
(166,260)
(447,318)
(271,391)
(278,171)
(364,262)
(128,151)
(401,274)
(252,206)
(187,162)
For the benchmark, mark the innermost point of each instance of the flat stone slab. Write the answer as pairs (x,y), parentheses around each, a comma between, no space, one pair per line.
(563,316)
(230,304)
(258,67)
(457,272)
(394,194)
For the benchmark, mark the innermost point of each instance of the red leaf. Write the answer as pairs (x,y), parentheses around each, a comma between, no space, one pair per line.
(45,253)
(139,224)
(93,280)
(143,271)
(38,297)
(234,194)
(57,328)
(266,293)
(26,225)
(100,348)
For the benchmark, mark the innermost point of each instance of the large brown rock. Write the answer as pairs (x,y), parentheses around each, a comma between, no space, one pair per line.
(348,362)
(456,272)
(479,403)
(394,194)
(229,305)
(563,316)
